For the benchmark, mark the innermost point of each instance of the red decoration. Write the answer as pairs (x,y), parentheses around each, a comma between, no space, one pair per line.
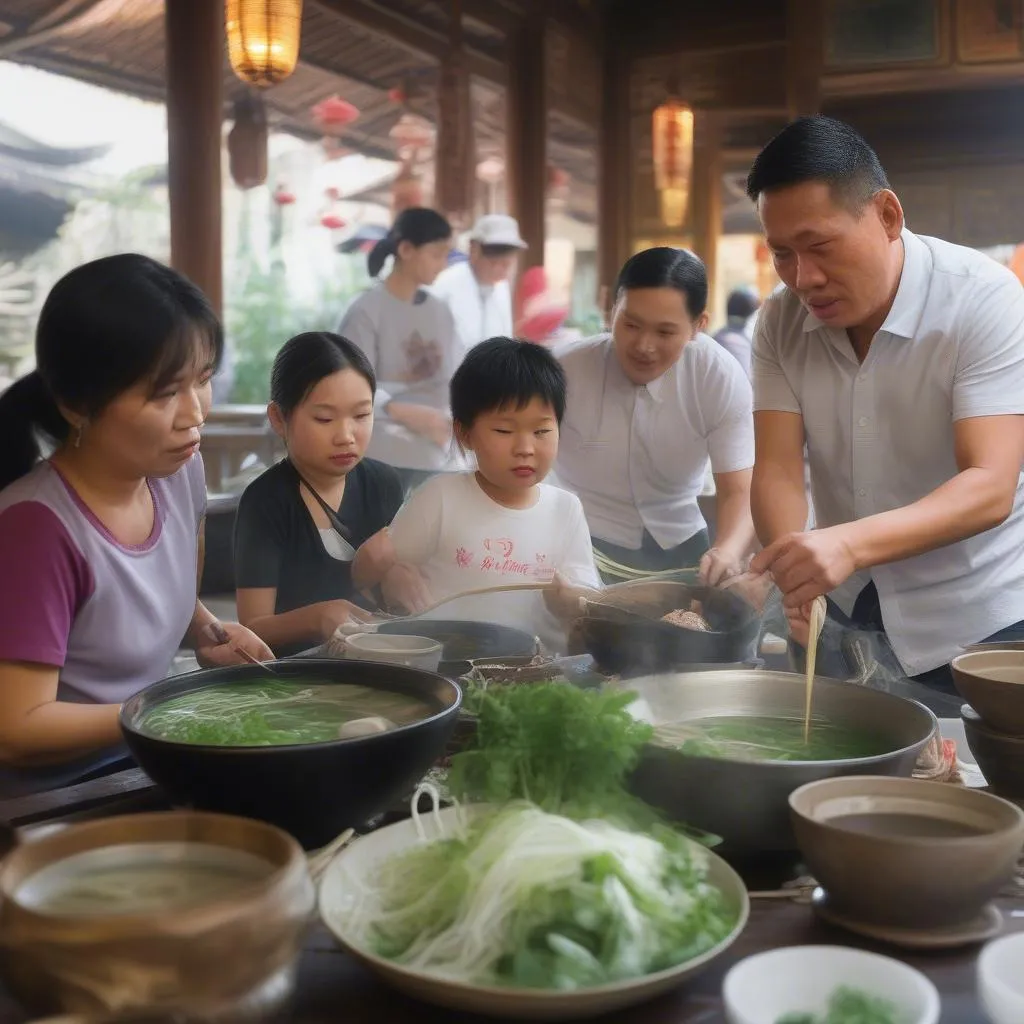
(333,114)
(539,314)
(558,178)
(397,95)
(332,221)
(283,197)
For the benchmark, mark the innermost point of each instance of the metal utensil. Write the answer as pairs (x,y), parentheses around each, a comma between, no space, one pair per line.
(221,635)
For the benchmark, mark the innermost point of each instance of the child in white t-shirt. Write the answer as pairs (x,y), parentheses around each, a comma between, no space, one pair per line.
(500,524)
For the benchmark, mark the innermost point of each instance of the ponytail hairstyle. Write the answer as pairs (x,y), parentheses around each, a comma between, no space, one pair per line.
(418,226)
(105,327)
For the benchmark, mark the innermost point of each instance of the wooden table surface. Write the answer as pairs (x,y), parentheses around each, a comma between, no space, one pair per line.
(332,986)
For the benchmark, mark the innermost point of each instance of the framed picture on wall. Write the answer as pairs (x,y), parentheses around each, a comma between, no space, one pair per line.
(989,30)
(886,33)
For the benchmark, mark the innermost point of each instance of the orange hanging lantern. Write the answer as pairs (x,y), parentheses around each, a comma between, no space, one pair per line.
(672,138)
(263,39)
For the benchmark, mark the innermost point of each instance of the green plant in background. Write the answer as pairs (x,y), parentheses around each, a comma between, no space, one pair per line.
(263,315)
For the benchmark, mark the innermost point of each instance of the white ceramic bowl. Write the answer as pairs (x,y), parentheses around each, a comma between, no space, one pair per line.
(762,988)
(1001,979)
(412,651)
(342,886)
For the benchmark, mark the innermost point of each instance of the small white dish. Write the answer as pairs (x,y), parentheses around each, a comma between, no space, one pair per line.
(395,649)
(765,987)
(1001,979)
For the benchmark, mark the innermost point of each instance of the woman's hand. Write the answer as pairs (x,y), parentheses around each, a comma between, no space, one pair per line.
(336,613)
(218,641)
(405,589)
(430,423)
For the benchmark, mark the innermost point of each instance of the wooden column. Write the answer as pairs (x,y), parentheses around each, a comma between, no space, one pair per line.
(195,111)
(526,119)
(805,54)
(706,193)
(615,179)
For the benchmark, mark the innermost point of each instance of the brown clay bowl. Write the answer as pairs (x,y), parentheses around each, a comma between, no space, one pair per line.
(230,955)
(905,853)
(999,755)
(992,682)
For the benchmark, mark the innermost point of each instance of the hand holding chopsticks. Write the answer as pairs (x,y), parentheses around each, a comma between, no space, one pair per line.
(229,643)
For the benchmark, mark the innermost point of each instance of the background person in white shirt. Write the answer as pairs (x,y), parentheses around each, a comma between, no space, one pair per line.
(408,336)
(501,524)
(648,406)
(900,360)
(477,290)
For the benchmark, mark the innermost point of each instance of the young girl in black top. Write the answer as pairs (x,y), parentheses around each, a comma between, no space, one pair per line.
(300,523)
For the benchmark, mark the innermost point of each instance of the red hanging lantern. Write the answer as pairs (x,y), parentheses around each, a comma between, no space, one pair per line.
(397,95)
(282,196)
(334,114)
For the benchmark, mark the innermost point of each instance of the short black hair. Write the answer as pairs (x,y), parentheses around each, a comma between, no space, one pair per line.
(306,359)
(819,148)
(498,250)
(504,372)
(742,303)
(665,267)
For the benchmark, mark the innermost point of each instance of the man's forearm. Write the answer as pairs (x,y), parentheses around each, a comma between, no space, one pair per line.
(970,503)
(778,505)
(734,530)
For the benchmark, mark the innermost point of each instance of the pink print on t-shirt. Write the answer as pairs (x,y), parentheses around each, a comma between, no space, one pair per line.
(463,558)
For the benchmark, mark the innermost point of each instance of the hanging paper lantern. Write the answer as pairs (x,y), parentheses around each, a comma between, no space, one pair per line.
(410,134)
(397,95)
(672,143)
(247,142)
(332,221)
(282,196)
(491,170)
(407,190)
(539,312)
(263,39)
(334,114)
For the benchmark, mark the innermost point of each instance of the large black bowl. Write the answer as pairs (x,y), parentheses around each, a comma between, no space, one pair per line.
(315,790)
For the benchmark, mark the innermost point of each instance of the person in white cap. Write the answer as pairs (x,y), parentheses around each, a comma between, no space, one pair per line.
(477,290)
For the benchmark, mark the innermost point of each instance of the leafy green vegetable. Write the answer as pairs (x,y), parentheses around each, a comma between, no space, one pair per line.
(564,749)
(849,1006)
(530,899)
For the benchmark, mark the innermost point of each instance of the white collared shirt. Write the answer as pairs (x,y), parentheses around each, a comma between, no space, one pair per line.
(880,434)
(637,456)
(480,311)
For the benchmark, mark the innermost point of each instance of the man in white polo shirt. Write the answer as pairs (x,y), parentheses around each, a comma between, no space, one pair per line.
(477,290)
(648,406)
(900,359)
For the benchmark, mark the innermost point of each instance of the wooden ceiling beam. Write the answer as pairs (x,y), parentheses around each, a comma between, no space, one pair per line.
(412,35)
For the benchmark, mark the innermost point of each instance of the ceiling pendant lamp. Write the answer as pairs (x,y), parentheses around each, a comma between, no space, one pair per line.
(263,39)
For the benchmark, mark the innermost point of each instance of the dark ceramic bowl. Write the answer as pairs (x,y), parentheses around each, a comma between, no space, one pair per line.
(314,791)
(959,857)
(999,755)
(991,680)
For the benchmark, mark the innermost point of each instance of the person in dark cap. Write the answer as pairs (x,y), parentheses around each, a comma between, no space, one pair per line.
(736,335)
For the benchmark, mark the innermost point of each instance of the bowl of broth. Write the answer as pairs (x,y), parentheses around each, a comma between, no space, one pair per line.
(315,748)
(999,755)
(904,853)
(139,913)
(729,747)
(992,682)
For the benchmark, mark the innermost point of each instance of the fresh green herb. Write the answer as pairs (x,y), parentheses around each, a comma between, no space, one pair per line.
(564,749)
(849,1006)
(530,899)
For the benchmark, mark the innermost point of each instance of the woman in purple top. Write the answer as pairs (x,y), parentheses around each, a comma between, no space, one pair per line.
(100,542)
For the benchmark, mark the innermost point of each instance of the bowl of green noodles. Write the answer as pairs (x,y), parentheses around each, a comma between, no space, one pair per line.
(314,748)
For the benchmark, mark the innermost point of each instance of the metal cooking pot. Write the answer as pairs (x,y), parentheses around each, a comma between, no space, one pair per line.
(746,802)
(624,634)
